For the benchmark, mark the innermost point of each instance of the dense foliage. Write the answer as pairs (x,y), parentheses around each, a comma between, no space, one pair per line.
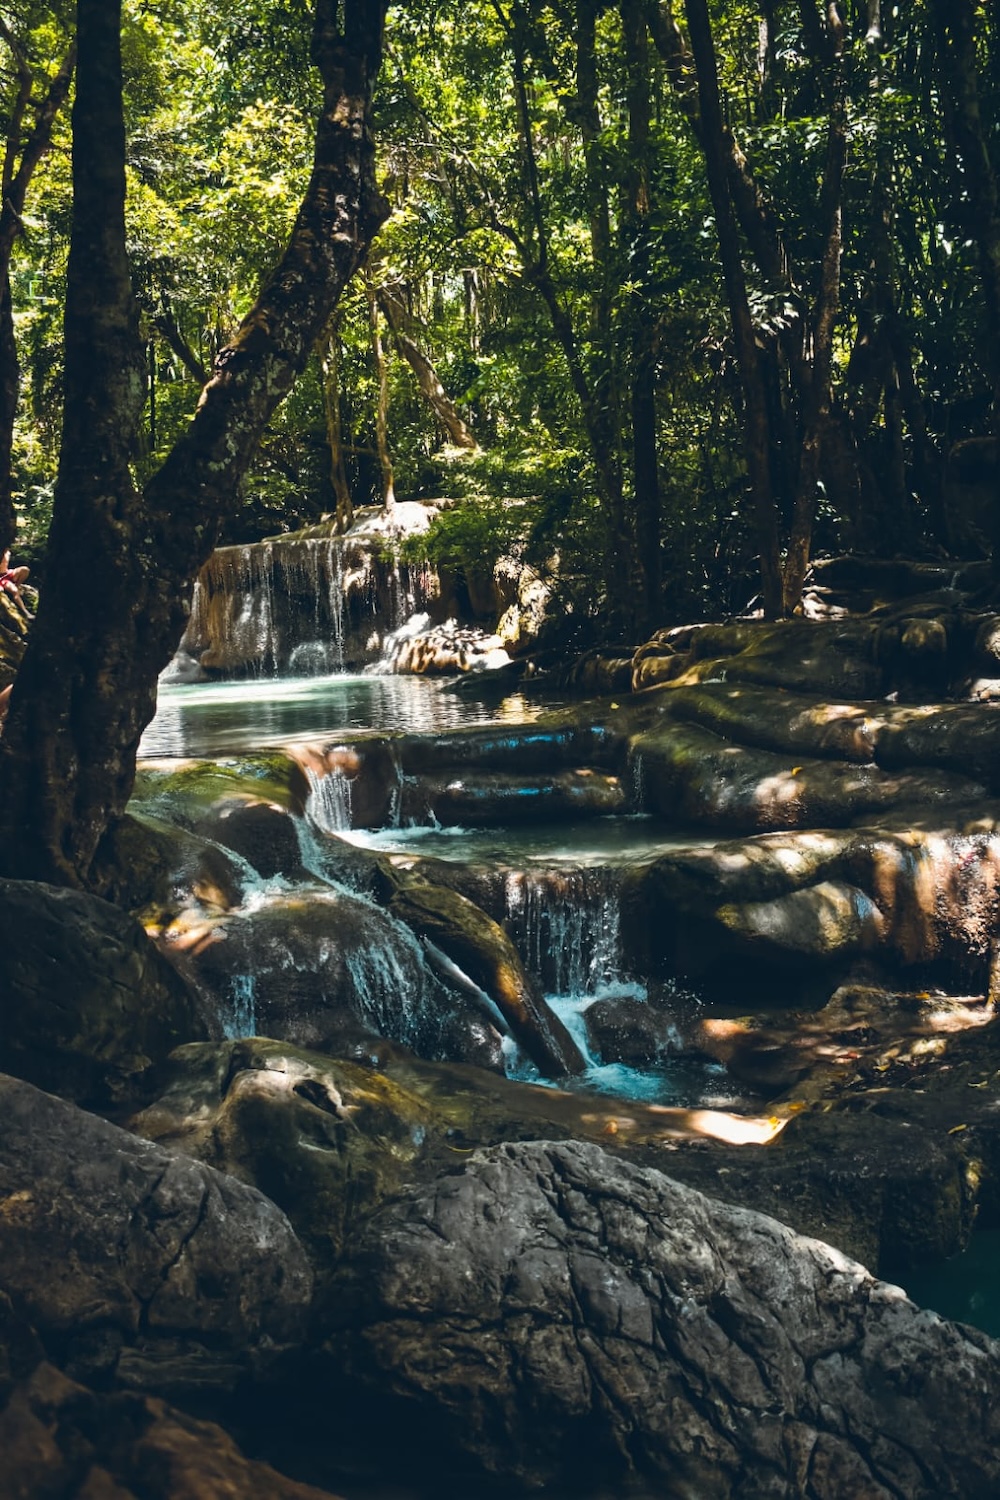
(686,331)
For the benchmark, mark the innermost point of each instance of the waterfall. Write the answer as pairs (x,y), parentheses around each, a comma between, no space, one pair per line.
(242,1018)
(394,992)
(328,803)
(311,605)
(567,927)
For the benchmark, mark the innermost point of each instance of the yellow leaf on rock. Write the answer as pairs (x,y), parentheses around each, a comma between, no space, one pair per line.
(956,1128)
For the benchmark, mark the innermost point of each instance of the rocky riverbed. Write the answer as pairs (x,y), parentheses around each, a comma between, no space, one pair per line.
(367,1219)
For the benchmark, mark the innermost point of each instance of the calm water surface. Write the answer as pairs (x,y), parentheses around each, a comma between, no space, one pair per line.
(208,719)
(966,1288)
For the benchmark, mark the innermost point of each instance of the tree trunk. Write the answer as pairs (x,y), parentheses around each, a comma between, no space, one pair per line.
(756,428)
(121,570)
(597,405)
(957,26)
(433,392)
(10,391)
(819,388)
(643,333)
(382,402)
(334,429)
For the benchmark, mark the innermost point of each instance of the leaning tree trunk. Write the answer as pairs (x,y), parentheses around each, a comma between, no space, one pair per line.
(382,401)
(121,566)
(428,380)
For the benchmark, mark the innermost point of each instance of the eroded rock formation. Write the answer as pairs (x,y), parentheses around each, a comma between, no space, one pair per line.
(593,1321)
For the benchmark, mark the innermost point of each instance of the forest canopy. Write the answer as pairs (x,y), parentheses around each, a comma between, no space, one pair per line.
(709,287)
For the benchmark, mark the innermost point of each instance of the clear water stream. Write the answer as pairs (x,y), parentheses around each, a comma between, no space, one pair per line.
(208,719)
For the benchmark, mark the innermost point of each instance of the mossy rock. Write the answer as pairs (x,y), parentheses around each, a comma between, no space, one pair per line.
(193,788)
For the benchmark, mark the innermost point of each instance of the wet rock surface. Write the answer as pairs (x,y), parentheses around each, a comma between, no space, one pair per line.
(315,964)
(330,1138)
(305,601)
(922,892)
(629,1031)
(596,1320)
(463,932)
(549,1311)
(884,1176)
(327,1139)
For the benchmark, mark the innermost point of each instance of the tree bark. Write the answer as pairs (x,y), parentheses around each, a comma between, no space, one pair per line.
(121,567)
(166,325)
(334,428)
(956,22)
(433,392)
(957,25)
(643,332)
(756,427)
(819,386)
(382,401)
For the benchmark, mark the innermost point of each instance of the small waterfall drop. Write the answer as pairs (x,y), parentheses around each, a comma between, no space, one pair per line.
(242,1018)
(567,926)
(636,782)
(328,804)
(392,985)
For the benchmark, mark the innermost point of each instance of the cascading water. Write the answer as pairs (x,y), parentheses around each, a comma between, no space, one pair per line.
(566,924)
(392,987)
(242,1018)
(636,781)
(328,804)
(302,604)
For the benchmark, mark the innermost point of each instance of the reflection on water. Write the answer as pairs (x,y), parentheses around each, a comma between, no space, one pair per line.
(589,844)
(206,719)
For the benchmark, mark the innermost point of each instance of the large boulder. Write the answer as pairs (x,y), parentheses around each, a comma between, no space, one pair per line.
(136,1264)
(326,1138)
(556,1316)
(88,1005)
